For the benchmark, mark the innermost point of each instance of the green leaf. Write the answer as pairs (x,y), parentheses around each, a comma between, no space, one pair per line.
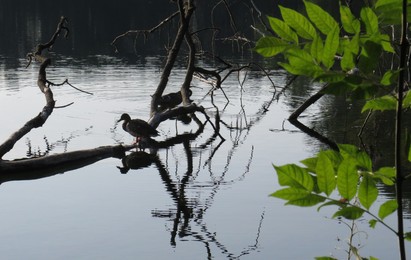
(370,20)
(311,163)
(347,179)
(308,201)
(363,160)
(330,47)
(298,22)
(349,213)
(331,77)
(325,258)
(387,208)
(387,102)
(347,61)
(373,258)
(351,50)
(321,19)
(385,42)
(332,203)
(389,11)
(325,174)
(283,30)
(290,193)
(349,22)
(294,176)
(301,63)
(368,191)
(372,223)
(407,236)
(386,175)
(406,102)
(316,49)
(348,150)
(390,77)
(270,46)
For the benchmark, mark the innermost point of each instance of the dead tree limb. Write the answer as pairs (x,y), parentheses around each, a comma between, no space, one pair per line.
(44,86)
(185,16)
(145,32)
(57,163)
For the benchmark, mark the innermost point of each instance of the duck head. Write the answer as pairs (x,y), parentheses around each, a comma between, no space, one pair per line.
(124,117)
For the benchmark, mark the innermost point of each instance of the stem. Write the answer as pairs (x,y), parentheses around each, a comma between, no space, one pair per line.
(398,130)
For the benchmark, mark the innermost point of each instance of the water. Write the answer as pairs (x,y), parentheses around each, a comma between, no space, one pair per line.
(96,212)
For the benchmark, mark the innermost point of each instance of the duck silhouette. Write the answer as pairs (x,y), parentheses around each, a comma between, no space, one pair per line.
(137,127)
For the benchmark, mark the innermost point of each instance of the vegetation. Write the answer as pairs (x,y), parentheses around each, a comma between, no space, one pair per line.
(350,57)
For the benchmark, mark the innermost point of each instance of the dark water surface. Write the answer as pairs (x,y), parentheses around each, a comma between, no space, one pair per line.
(204,199)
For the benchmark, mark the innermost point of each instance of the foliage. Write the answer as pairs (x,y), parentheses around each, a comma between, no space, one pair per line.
(344,179)
(348,55)
(345,53)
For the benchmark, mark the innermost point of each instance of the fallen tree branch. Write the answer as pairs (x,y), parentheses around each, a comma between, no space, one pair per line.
(40,167)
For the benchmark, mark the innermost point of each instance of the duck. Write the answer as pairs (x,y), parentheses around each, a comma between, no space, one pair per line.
(172,99)
(137,127)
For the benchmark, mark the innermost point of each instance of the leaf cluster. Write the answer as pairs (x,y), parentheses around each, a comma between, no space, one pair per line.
(344,53)
(344,179)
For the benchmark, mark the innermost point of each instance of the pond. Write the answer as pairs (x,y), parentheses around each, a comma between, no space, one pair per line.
(96,212)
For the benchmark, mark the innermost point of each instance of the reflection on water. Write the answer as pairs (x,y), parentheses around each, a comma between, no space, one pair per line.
(194,197)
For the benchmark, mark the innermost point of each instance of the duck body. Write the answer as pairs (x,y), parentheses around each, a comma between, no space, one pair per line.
(137,127)
(172,100)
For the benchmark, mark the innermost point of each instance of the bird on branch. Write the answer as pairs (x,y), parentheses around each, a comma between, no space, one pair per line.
(137,127)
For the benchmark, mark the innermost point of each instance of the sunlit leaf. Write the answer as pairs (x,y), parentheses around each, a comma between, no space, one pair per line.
(386,175)
(363,160)
(270,46)
(325,174)
(308,201)
(298,22)
(330,47)
(373,258)
(283,30)
(301,63)
(294,176)
(325,258)
(321,19)
(406,102)
(349,22)
(372,223)
(311,163)
(331,203)
(387,102)
(385,42)
(347,179)
(389,11)
(390,77)
(387,208)
(290,193)
(348,150)
(349,213)
(347,61)
(370,19)
(407,236)
(367,192)
(316,48)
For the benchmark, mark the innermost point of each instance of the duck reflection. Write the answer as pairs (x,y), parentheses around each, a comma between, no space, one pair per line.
(137,160)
